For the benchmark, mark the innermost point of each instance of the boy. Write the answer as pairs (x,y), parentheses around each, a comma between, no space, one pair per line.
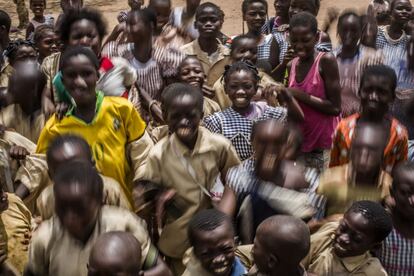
(281,243)
(187,164)
(35,183)
(396,254)
(115,253)
(80,219)
(207,48)
(377,92)
(25,115)
(362,177)
(211,234)
(342,248)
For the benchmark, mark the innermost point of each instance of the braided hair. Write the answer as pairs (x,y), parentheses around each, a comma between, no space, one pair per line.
(241,66)
(13,46)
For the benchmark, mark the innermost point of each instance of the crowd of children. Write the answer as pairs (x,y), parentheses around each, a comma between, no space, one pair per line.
(169,148)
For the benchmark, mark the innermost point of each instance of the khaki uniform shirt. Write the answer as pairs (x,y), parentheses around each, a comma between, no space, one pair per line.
(322,260)
(5,72)
(340,195)
(214,64)
(224,101)
(17,220)
(13,117)
(172,165)
(113,195)
(50,67)
(53,251)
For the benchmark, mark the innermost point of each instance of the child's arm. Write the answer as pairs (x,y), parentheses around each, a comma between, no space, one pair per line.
(160,268)
(29,30)
(118,29)
(228,201)
(370,30)
(330,75)
(274,53)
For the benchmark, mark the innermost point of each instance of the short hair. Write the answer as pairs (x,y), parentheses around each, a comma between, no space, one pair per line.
(304,19)
(236,41)
(201,8)
(13,46)
(207,220)
(346,14)
(61,140)
(392,4)
(31,1)
(78,172)
(147,15)
(403,166)
(379,219)
(246,3)
(380,70)
(74,15)
(76,51)
(40,32)
(176,90)
(241,66)
(5,20)
(180,66)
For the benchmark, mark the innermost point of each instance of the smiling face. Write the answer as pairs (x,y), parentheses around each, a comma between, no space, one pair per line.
(401,11)
(245,50)
(208,23)
(215,249)
(37,7)
(85,33)
(303,41)
(79,78)
(191,72)
(255,16)
(241,86)
(354,236)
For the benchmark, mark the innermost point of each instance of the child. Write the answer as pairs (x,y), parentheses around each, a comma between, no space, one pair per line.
(352,59)
(314,82)
(134,6)
(254,14)
(377,92)
(207,48)
(382,11)
(394,43)
(281,243)
(38,7)
(363,177)
(80,219)
(25,115)
(18,50)
(115,253)
(5,23)
(397,249)
(244,48)
(211,234)
(108,124)
(184,17)
(235,123)
(343,248)
(281,17)
(67,6)
(187,164)
(46,41)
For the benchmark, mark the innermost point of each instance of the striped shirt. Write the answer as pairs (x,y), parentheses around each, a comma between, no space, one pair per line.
(238,128)
(397,255)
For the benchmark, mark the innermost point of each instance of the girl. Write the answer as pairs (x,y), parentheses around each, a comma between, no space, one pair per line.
(235,123)
(108,124)
(154,66)
(394,43)
(254,14)
(38,7)
(352,59)
(45,41)
(281,18)
(314,82)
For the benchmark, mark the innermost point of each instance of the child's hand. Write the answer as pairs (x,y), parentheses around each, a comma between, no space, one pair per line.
(162,200)
(156,113)
(61,109)
(18,152)
(270,94)
(48,108)
(284,97)
(208,91)
(290,54)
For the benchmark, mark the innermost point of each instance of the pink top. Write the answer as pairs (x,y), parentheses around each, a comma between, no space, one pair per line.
(317,128)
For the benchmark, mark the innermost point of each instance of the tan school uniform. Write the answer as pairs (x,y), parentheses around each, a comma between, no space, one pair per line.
(214,64)
(340,195)
(50,67)
(322,260)
(5,72)
(53,251)
(173,166)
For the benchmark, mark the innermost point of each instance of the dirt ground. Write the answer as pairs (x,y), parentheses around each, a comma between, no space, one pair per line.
(232,8)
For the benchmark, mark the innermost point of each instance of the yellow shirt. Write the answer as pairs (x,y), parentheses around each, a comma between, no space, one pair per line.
(116,124)
(13,117)
(214,64)
(17,220)
(53,251)
(334,186)
(322,260)
(113,195)
(212,155)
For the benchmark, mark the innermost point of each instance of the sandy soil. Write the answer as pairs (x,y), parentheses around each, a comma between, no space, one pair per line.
(232,8)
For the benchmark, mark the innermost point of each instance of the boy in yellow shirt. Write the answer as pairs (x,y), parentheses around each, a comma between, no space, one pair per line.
(186,164)
(108,124)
